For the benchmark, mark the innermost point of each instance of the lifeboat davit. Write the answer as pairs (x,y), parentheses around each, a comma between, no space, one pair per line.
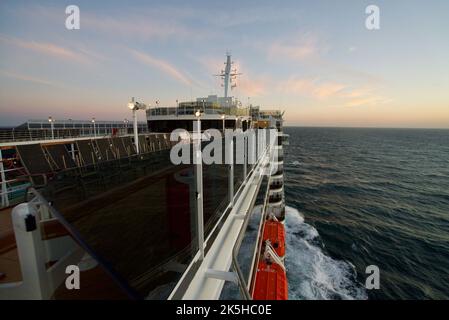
(271,282)
(274,231)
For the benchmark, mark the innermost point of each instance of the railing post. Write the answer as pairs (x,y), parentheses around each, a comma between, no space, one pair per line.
(231,172)
(31,251)
(199,187)
(245,155)
(5,198)
(136,134)
(72,150)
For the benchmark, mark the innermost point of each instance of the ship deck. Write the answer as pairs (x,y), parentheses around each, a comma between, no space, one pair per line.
(9,259)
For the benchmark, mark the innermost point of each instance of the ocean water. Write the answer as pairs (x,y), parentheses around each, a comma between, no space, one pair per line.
(360,197)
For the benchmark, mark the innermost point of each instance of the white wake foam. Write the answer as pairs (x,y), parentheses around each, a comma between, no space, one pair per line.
(311,273)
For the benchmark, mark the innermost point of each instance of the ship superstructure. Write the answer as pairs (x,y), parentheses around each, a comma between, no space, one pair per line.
(138,225)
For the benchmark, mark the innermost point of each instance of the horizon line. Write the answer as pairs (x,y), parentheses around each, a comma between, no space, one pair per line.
(363,127)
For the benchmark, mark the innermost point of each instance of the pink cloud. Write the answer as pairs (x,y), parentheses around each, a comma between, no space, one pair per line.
(350,96)
(311,87)
(29,79)
(296,48)
(137,26)
(253,87)
(46,48)
(296,52)
(139,22)
(162,65)
(328,89)
(370,100)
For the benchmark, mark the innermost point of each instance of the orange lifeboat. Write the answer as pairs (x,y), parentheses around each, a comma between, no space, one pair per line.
(275,232)
(271,282)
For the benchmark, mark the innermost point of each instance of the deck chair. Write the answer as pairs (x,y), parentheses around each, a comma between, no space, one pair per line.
(140,164)
(160,141)
(166,139)
(42,174)
(60,156)
(129,146)
(119,148)
(107,164)
(88,154)
(156,142)
(152,142)
(92,179)
(36,164)
(105,149)
(143,144)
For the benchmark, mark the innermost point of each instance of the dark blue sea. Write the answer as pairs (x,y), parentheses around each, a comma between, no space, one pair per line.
(360,197)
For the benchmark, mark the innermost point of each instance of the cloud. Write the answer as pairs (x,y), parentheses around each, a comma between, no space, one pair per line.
(261,13)
(369,100)
(162,65)
(141,22)
(299,48)
(348,95)
(30,79)
(291,51)
(47,48)
(253,87)
(311,87)
(136,26)
(330,89)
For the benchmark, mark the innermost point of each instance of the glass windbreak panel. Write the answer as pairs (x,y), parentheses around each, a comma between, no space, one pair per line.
(137,216)
(215,186)
(248,245)
(252,148)
(249,242)
(95,281)
(238,162)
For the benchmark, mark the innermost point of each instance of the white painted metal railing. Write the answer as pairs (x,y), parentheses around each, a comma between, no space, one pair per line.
(38,281)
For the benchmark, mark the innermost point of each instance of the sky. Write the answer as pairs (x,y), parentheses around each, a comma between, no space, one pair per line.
(316,60)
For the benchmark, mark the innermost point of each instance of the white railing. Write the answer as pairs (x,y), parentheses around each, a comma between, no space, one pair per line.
(12,135)
(38,281)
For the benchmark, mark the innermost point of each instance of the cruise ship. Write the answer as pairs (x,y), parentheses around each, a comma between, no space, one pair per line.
(99,210)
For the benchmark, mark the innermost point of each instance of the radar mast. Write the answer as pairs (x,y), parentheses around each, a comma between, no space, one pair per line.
(228,75)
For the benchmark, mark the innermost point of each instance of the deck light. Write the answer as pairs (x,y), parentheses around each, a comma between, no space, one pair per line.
(93,123)
(50,119)
(134,106)
(131,105)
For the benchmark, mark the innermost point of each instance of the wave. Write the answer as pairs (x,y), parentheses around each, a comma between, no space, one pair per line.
(313,275)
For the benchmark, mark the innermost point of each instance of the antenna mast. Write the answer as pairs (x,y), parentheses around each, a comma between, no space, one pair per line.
(228,75)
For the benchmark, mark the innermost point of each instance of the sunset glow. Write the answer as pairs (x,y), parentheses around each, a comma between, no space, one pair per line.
(316,61)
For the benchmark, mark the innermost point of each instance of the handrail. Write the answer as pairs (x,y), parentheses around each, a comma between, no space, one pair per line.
(12,135)
(240,277)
